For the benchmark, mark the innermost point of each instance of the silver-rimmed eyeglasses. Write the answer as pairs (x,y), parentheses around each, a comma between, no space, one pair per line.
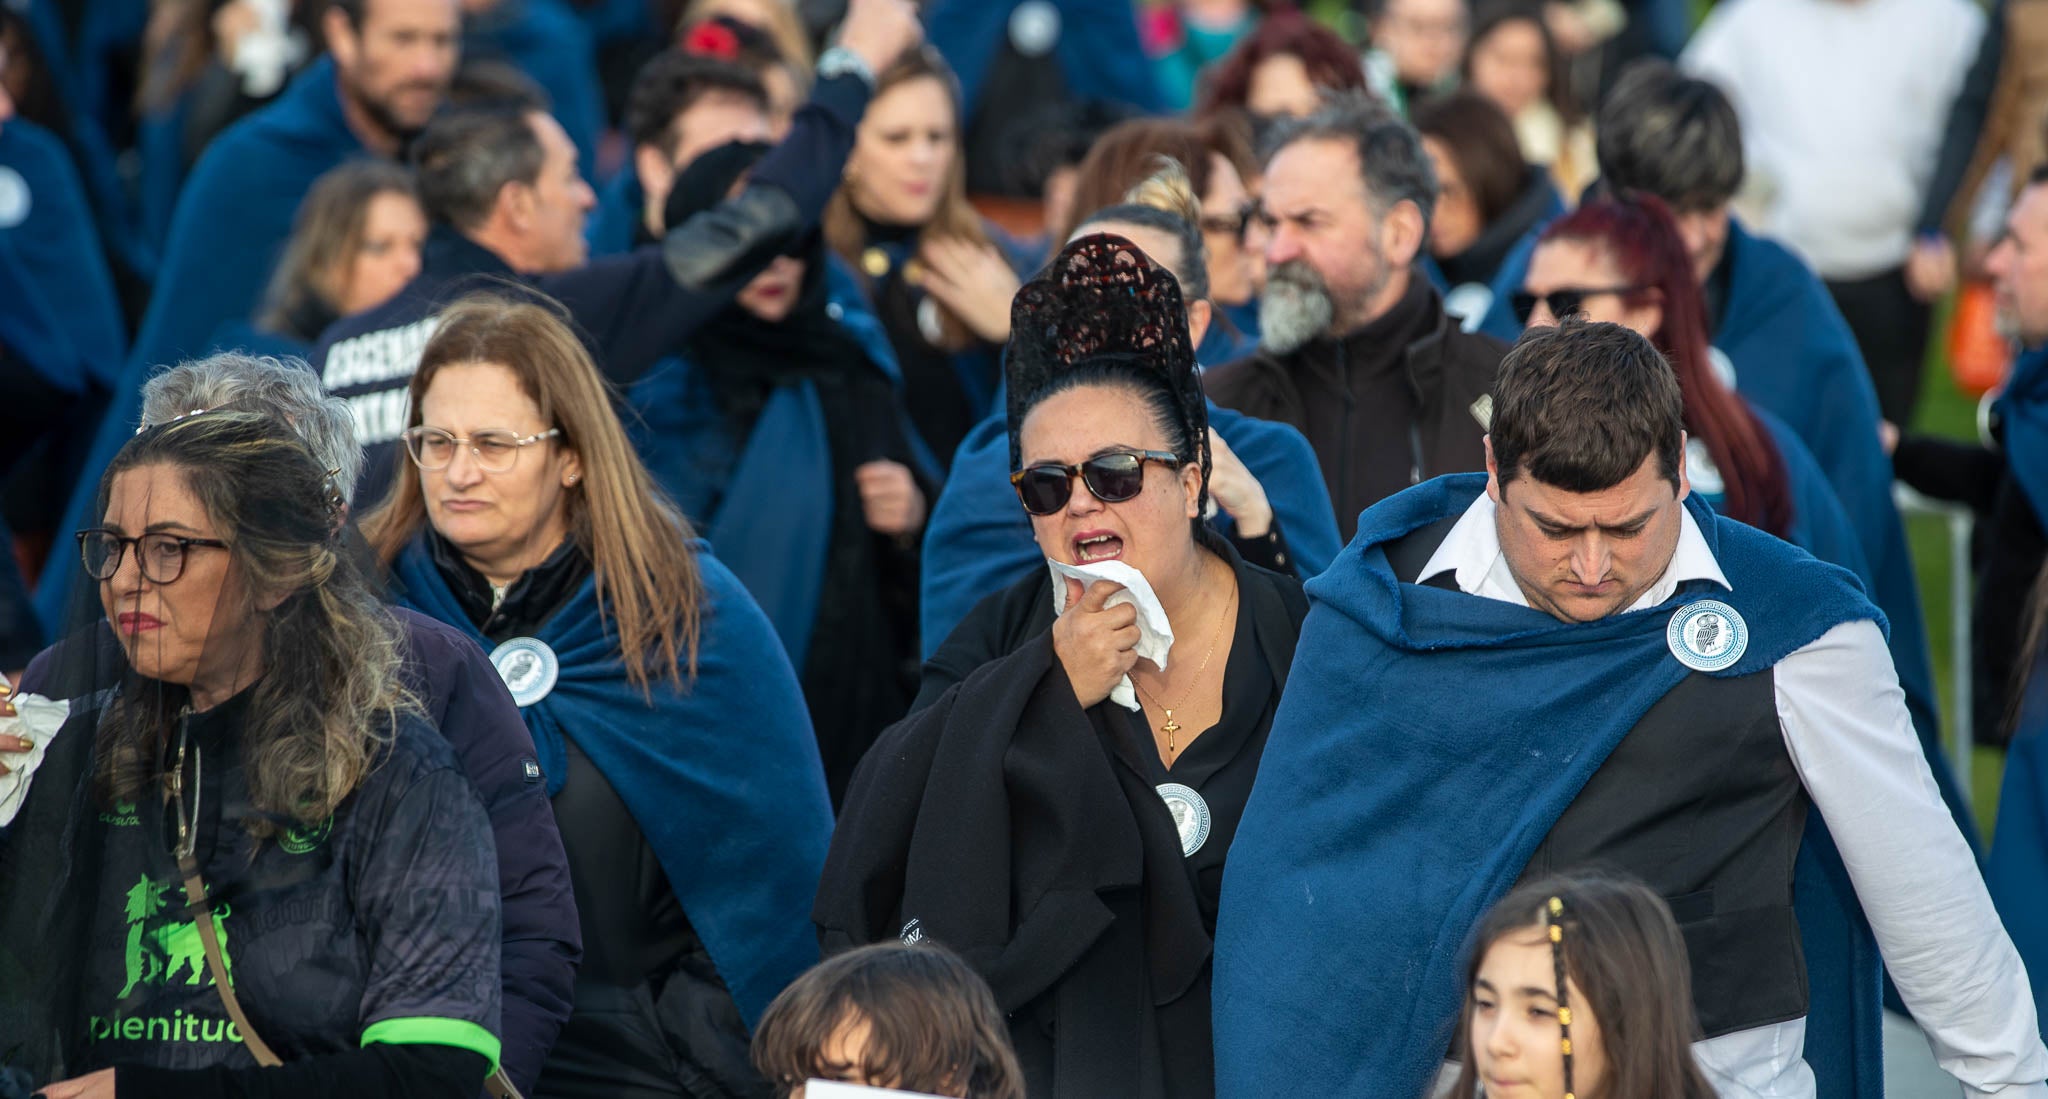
(495,449)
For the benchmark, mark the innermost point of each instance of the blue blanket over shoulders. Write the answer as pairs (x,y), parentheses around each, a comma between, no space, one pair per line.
(1396,803)
(49,226)
(2016,870)
(2024,409)
(722,774)
(737,491)
(979,538)
(1795,358)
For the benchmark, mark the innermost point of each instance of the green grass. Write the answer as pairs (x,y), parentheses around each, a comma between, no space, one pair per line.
(1946,410)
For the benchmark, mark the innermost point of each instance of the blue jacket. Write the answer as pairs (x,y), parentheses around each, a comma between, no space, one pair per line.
(2016,871)
(615,224)
(548,42)
(48,225)
(1097,46)
(468,702)
(1795,358)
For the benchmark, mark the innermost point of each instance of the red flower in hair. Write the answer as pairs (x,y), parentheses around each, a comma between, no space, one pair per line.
(712,40)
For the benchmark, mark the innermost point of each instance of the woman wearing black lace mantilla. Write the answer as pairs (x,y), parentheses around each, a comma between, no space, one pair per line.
(1059,805)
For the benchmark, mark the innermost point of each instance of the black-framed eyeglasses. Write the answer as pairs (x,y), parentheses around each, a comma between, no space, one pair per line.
(1113,477)
(1235,223)
(1566,301)
(160,556)
(496,449)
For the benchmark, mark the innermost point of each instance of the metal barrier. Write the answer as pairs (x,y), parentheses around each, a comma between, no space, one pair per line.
(1960,523)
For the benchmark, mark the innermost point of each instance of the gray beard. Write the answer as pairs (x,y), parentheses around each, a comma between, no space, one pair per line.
(1294,309)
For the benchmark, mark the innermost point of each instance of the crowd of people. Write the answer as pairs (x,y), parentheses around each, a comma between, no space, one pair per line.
(630,548)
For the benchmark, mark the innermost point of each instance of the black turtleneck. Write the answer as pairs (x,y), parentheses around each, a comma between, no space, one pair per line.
(1386,405)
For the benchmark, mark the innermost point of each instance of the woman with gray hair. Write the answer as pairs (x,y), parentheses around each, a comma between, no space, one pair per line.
(245,808)
(456,686)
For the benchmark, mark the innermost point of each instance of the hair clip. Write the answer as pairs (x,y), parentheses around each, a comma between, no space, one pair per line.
(1554,918)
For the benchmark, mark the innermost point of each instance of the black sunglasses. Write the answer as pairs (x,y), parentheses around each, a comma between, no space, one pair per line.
(1113,477)
(1568,301)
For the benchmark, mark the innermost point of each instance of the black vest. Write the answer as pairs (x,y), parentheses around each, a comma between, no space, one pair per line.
(1699,800)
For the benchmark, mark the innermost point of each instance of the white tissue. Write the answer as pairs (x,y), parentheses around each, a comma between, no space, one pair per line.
(1155,633)
(39,719)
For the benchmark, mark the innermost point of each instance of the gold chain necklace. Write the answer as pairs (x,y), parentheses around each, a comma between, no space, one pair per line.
(1171,726)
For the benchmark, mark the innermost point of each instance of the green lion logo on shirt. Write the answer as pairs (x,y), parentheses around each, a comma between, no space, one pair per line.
(160,951)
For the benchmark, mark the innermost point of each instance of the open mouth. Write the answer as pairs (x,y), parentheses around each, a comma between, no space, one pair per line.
(1093,547)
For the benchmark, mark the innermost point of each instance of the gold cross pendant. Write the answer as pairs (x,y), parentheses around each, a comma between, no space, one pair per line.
(1171,727)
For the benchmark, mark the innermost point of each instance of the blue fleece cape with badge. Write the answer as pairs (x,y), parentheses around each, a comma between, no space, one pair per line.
(55,237)
(722,775)
(738,491)
(979,537)
(1795,357)
(1396,803)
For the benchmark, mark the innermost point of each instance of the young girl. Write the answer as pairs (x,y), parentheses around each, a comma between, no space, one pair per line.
(889,1015)
(1578,989)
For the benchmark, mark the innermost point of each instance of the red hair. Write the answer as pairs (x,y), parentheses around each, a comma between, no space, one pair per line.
(1638,235)
(1331,65)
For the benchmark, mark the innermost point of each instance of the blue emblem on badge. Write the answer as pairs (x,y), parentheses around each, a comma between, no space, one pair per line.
(1707,636)
(528,668)
(1190,815)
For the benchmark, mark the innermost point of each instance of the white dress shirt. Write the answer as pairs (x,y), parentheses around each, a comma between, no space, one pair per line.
(1845,725)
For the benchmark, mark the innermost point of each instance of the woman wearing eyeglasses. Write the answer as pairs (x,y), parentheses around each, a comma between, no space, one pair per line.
(672,735)
(1219,163)
(1060,807)
(220,862)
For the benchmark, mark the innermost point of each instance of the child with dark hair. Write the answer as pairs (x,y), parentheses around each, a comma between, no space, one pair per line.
(889,1015)
(1579,986)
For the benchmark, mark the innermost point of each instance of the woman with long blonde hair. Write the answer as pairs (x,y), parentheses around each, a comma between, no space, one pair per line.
(672,735)
(939,282)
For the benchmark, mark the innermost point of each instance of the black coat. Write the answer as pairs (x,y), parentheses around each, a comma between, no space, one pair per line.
(1007,823)
(1390,405)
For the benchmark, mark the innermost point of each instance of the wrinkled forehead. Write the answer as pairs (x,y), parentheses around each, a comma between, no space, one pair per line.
(154,497)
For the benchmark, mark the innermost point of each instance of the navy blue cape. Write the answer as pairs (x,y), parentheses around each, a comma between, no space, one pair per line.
(2024,409)
(60,245)
(722,775)
(1795,357)
(737,491)
(979,538)
(2016,870)
(1395,803)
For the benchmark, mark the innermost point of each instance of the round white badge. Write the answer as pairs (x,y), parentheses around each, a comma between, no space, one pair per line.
(15,201)
(1190,815)
(1707,636)
(1034,28)
(528,667)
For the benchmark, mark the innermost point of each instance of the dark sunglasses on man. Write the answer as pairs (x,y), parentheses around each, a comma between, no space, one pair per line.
(1565,301)
(1114,477)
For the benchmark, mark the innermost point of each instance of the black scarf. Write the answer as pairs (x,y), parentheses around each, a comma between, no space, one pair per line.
(744,357)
